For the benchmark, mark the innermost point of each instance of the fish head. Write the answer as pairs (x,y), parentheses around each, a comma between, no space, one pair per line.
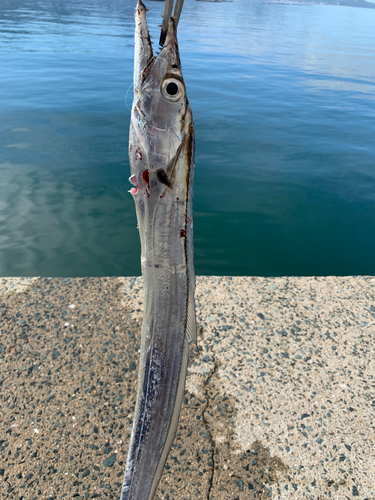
(161,113)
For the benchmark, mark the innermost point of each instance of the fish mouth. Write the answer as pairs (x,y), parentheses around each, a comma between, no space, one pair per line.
(144,57)
(167,16)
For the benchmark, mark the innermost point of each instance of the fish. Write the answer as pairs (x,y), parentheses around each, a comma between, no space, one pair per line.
(161,156)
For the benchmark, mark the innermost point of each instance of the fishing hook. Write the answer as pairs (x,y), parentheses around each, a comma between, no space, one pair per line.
(167,15)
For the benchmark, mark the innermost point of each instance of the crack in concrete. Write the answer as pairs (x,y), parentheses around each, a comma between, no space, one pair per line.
(211,478)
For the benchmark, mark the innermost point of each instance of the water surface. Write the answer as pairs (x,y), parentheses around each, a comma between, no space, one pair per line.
(283,99)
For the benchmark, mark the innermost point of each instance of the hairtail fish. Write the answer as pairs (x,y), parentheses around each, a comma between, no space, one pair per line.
(161,154)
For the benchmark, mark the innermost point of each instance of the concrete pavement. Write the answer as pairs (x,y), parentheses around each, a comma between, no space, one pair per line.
(279,400)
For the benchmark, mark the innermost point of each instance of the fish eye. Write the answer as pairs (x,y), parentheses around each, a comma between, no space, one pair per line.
(172,89)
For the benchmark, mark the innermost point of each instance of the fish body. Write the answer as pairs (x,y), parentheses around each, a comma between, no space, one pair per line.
(161,154)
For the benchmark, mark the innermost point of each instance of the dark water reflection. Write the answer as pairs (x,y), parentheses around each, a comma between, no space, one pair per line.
(49,218)
(283,101)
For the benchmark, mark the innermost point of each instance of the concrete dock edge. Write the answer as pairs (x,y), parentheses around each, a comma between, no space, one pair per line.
(279,400)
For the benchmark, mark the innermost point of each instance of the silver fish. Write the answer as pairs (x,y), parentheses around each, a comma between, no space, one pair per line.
(161,152)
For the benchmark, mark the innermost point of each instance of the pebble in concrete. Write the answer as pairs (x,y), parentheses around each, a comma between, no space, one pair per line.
(296,357)
(278,400)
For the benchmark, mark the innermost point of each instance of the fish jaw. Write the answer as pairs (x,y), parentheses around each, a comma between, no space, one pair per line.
(142,46)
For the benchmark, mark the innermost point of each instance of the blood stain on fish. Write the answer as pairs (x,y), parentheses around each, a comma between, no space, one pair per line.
(146,178)
(138,154)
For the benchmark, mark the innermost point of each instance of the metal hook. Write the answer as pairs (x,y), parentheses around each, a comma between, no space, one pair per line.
(167,15)
(177,10)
